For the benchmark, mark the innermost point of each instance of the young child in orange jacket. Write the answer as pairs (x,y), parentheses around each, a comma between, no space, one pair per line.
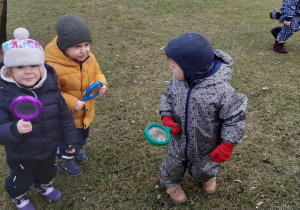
(76,68)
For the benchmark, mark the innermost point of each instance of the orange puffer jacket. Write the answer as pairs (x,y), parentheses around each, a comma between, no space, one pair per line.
(74,79)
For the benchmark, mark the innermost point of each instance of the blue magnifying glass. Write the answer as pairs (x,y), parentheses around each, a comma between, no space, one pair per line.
(92,91)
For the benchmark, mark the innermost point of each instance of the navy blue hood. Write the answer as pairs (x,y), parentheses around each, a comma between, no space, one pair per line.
(193,53)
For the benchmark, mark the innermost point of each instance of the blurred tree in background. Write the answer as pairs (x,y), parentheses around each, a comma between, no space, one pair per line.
(3,15)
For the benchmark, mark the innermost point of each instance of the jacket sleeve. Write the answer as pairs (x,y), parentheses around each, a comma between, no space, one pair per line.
(8,129)
(67,124)
(70,100)
(233,115)
(289,8)
(99,76)
(165,107)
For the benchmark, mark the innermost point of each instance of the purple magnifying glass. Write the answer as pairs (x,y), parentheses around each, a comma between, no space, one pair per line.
(26,107)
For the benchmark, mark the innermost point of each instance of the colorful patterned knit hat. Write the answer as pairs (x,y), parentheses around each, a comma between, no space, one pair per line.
(22,51)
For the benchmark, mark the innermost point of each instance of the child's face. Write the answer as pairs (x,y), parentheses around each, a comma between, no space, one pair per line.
(26,75)
(79,52)
(177,71)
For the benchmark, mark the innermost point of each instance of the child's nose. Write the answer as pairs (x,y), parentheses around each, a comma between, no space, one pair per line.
(83,50)
(27,70)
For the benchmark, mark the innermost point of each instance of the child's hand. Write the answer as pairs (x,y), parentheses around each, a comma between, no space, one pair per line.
(168,121)
(70,151)
(287,23)
(102,90)
(79,105)
(24,127)
(222,153)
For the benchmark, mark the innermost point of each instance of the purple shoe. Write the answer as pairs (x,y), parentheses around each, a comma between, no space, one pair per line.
(28,206)
(54,196)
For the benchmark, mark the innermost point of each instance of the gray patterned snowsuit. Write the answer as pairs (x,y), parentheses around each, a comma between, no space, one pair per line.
(291,10)
(210,112)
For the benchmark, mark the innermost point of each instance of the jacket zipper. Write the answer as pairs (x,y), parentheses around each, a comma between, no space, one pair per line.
(80,69)
(193,84)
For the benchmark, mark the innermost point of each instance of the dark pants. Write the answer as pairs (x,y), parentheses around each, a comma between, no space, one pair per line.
(287,31)
(27,172)
(83,134)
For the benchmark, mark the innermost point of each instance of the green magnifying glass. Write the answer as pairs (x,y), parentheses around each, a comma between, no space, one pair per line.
(158,134)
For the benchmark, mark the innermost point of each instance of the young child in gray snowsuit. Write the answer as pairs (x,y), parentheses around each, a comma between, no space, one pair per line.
(290,16)
(210,112)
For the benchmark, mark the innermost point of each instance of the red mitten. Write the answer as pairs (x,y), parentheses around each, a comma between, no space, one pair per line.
(168,121)
(222,153)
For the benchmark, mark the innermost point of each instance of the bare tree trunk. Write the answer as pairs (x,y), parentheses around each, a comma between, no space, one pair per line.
(3,16)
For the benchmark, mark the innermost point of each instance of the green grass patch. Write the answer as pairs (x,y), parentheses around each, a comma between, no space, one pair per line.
(123,168)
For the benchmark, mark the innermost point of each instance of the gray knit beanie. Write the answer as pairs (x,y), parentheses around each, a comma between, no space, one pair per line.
(71,30)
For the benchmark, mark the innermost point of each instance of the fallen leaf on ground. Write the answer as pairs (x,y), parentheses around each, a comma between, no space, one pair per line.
(265,88)
(139,174)
(259,204)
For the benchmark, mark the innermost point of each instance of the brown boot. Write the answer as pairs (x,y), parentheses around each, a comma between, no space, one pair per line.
(210,186)
(176,193)
(279,48)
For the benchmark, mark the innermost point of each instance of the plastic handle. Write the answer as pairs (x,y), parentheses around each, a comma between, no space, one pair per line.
(90,89)
(170,128)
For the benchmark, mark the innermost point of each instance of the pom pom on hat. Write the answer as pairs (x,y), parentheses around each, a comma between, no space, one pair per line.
(21,33)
